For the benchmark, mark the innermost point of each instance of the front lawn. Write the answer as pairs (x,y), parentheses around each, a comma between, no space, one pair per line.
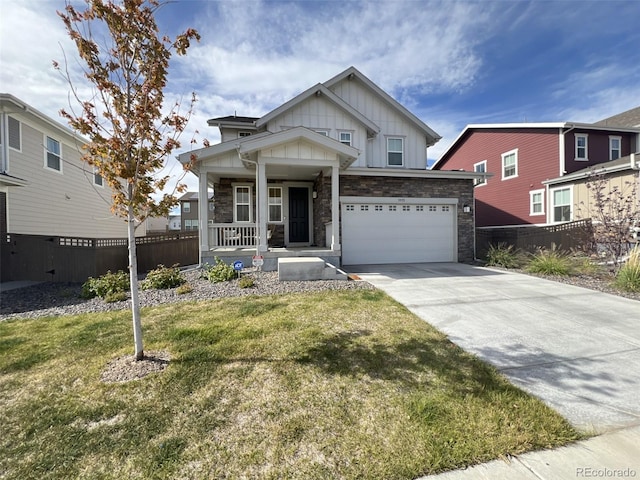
(325,385)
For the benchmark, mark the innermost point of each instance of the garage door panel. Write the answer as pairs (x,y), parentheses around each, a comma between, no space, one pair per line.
(398,233)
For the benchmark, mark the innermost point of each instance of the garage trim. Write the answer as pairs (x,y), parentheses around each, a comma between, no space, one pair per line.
(393,200)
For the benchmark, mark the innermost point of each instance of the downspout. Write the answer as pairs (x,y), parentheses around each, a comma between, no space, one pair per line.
(563,162)
(4,124)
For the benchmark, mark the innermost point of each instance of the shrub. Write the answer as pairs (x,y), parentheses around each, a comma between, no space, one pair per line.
(628,277)
(184,289)
(220,272)
(163,277)
(502,255)
(107,284)
(116,297)
(550,262)
(246,282)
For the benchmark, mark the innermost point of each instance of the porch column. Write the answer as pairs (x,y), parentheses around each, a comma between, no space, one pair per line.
(261,207)
(203,213)
(335,207)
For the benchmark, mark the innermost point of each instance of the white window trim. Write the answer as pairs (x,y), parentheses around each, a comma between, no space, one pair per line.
(95,172)
(321,131)
(394,137)
(186,204)
(552,205)
(347,132)
(235,205)
(479,182)
(611,138)
(507,154)
(586,147)
(280,187)
(531,194)
(46,151)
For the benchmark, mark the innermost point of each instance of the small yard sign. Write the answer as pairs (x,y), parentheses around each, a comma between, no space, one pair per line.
(238,265)
(258,260)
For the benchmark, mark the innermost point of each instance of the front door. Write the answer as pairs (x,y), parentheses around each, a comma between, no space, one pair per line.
(298,215)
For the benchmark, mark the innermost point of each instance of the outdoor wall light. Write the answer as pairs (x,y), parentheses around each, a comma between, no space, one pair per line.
(314,194)
(466,208)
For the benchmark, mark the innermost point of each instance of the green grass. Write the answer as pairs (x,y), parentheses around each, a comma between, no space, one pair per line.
(323,385)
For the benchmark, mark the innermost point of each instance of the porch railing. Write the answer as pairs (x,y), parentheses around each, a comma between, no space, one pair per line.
(239,235)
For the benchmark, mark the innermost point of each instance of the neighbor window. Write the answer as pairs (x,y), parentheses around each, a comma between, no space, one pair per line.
(345,137)
(322,132)
(510,164)
(480,167)
(275,204)
(52,155)
(243,134)
(615,147)
(395,152)
(561,204)
(186,207)
(536,202)
(582,146)
(97,178)
(242,203)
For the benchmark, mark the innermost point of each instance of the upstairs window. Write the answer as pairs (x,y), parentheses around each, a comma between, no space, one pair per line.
(345,137)
(275,204)
(582,147)
(97,178)
(186,207)
(14,134)
(322,132)
(52,155)
(480,167)
(242,203)
(615,147)
(243,134)
(395,152)
(510,164)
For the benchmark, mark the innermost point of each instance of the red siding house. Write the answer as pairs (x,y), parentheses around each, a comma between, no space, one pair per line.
(522,156)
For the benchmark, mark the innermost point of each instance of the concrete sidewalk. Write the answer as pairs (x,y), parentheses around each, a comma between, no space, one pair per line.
(578,350)
(611,455)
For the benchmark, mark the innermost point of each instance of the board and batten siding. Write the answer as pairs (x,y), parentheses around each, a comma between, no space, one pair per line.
(391,122)
(63,203)
(583,201)
(507,202)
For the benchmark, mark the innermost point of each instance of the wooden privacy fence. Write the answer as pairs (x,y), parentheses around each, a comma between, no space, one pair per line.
(70,259)
(566,236)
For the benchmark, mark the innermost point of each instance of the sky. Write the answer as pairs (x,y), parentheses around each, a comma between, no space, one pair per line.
(450,63)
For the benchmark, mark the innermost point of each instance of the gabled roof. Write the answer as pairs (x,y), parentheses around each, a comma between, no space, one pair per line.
(352,72)
(233,121)
(320,90)
(630,118)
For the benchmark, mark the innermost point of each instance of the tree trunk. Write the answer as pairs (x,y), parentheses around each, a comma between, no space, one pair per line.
(133,280)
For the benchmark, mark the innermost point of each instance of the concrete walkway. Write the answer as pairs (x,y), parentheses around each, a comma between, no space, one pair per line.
(576,349)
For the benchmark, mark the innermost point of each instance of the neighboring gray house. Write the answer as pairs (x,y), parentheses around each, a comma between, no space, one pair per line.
(189,211)
(338,172)
(45,189)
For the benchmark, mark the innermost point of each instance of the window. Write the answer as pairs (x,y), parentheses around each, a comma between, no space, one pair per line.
(275,204)
(97,178)
(582,146)
(52,155)
(561,204)
(187,224)
(536,202)
(243,134)
(322,132)
(615,147)
(345,137)
(14,134)
(480,167)
(395,152)
(510,164)
(186,207)
(242,203)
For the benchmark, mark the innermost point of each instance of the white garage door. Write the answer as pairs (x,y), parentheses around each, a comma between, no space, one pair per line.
(397,233)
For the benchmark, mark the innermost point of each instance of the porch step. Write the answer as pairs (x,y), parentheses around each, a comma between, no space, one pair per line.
(307,268)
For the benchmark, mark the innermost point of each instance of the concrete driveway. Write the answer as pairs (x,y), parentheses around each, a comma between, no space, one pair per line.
(576,349)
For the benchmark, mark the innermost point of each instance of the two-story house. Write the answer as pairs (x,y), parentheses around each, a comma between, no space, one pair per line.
(524,157)
(189,211)
(339,172)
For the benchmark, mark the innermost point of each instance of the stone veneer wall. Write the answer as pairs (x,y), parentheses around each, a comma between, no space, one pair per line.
(366,186)
(321,209)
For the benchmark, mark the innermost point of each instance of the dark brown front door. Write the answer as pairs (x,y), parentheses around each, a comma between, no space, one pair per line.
(298,215)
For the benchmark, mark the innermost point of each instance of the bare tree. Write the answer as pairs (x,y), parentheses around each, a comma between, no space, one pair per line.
(614,212)
(130,137)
